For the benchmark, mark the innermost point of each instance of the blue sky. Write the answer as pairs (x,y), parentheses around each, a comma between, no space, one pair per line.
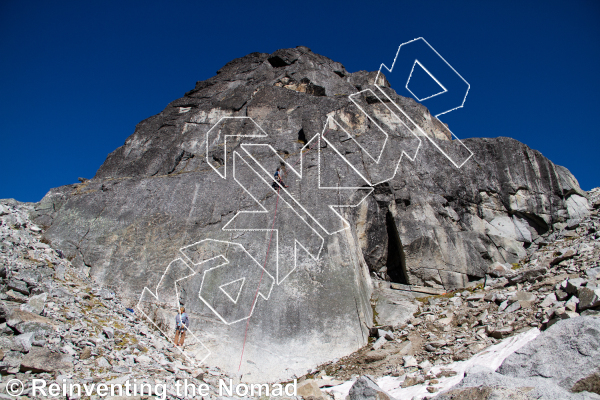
(76,77)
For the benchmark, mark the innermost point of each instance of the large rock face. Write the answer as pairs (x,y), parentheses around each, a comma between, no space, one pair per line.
(191,189)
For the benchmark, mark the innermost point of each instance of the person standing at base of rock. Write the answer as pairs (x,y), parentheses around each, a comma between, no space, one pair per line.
(182,323)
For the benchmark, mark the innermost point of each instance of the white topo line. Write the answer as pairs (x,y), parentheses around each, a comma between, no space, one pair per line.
(263,134)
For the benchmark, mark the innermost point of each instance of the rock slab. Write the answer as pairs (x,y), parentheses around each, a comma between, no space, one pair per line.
(566,352)
(43,360)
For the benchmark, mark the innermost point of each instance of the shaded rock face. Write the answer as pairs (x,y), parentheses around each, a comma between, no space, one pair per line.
(185,175)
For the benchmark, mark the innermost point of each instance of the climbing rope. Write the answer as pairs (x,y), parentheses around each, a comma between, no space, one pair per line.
(266,258)
(260,281)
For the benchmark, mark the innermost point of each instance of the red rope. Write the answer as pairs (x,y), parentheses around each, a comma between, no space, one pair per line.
(259,282)
(265,264)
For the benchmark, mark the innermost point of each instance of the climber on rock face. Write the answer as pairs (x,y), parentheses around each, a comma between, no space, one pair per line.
(182,323)
(279,178)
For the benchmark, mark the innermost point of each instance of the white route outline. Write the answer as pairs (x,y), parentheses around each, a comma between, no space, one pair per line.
(234,301)
(155,296)
(318,137)
(345,223)
(444,90)
(224,174)
(439,55)
(265,211)
(225,262)
(437,115)
(413,158)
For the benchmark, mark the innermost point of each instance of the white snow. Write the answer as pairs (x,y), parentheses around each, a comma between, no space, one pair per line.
(492,357)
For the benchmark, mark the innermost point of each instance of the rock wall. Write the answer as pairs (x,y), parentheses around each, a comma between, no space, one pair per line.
(452,224)
(375,189)
(127,244)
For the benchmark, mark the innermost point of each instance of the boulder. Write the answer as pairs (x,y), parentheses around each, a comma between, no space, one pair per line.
(102,363)
(107,294)
(5,330)
(18,286)
(393,307)
(15,297)
(513,307)
(565,353)
(548,301)
(573,285)
(40,359)
(379,343)
(522,202)
(527,275)
(564,313)
(365,389)
(37,303)
(143,359)
(23,342)
(410,361)
(11,362)
(578,207)
(108,332)
(561,295)
(4,311)
(68,350)
(85,353)
(481,383)
(571,305)
(24,321)
(412,379)
(593,273)
(501,332)
(590,383)
(310,388)
(522,296)
(374,356)
(564,255)
(389,335)
(498,270)
(588,297)
(35,229)
(476,297)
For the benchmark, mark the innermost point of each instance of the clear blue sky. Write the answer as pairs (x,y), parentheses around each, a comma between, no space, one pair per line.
(76,76)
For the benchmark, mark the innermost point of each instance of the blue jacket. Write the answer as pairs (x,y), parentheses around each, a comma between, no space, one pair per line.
(182,319)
